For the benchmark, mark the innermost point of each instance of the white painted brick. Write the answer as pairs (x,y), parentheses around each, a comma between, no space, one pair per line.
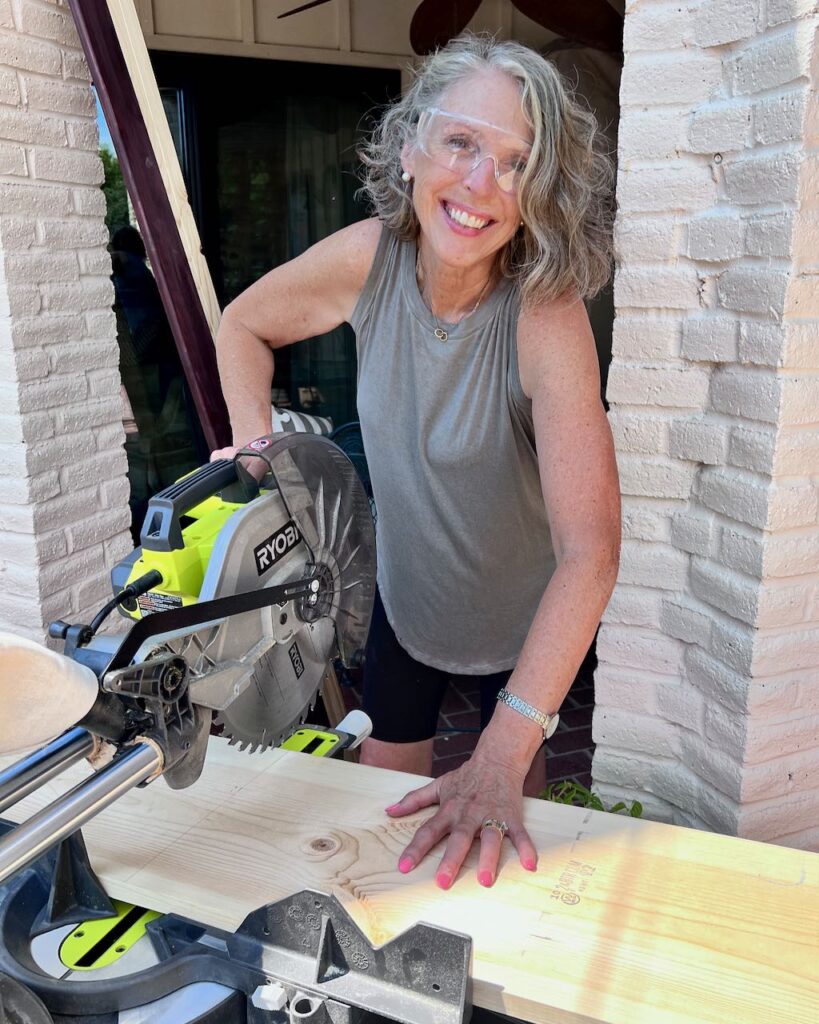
(765,820)
(16,518)
(639,432)
(657,477)
(64,165)
(792,505)
(75,65)
(620,769)
(788,604)
(797,452)
(82,355)
(24,300)
(73,233)
(753,448)
(9,89)
(770,236)
(680,186)
(58,26)
(42,266)
(32,363)
(773,61)
(662,386)
(762,343)
(96,467)
(779,119)
(642,734)
(657,26)
(791,650)
(89,202)
(715,680)
(84,415)
(46,328)
(16,234)
(792,554)
(86,292)
(645,337)
(710,339)
(12,160)
(634,606)
(83,135)
(101,323)
(20,609)
(734,593)
(716,238)
(56,391)
(686,789)
(95,262)
(23,126)
(34,199)
(711,763)
(803,296)
(762,179)
(755,394)
(734,493)
(692,531)
(67,449)
(58,96)
(80,566)
(647,519)
(29,55)
(701,439)
(653,565)
(719,128)
(783,776)
(800,398)
(717,22)
(6,16)
(44,486)
(671,78)
(780,11)
(770,737)
(642,238)
(92,529)
(683,619)
(649,135)
(104,381)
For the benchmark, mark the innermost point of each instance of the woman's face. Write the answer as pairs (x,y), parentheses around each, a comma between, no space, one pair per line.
(443,197)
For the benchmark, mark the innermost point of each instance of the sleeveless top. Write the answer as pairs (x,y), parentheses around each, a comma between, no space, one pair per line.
(463,543)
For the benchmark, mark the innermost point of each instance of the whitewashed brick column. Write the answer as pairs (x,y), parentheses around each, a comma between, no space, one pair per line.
(63,490)
(708,684)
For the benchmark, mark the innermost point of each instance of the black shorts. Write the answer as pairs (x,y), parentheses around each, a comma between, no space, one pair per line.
(402,696)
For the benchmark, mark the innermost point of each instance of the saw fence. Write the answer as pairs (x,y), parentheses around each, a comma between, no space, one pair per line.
(625,921)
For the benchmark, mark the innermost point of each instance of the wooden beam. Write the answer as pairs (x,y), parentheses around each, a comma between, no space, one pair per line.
(624,922)
(130,100)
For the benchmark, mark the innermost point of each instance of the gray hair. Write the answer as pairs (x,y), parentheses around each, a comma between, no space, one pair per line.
(565,196)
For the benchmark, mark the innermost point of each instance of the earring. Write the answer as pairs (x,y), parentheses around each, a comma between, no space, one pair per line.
(406,177)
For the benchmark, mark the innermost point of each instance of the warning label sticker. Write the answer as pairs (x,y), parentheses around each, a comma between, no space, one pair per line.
(155,602)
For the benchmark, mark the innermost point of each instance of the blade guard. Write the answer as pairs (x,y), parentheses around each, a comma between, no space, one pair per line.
(324,496)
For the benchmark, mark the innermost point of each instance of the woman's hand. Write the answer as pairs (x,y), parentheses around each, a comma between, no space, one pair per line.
(224,453)
(479,790)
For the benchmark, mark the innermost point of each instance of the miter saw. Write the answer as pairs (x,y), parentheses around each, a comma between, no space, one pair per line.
(252,574)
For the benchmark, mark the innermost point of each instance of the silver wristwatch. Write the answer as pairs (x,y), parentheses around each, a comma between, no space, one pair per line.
(548,723)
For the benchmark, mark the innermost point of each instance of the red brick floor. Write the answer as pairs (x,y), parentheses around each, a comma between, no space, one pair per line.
(568,753)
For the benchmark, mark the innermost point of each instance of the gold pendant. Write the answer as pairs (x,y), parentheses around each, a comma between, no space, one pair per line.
(441,334)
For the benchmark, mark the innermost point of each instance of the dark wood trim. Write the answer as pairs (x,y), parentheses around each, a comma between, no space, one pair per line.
(146,188)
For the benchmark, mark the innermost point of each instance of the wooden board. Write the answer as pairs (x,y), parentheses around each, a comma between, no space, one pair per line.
(625,921)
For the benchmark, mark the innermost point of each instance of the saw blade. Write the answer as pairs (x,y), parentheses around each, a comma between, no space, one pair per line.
(315,520)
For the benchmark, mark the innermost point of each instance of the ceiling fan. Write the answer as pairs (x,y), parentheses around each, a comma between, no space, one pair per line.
(593,23)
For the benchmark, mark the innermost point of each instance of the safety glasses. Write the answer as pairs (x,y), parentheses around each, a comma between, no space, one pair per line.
(459,143)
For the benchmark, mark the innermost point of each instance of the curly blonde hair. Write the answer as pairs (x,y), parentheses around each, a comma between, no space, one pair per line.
(565,196)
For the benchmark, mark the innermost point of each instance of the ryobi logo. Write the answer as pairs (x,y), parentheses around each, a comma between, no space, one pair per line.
(276,545)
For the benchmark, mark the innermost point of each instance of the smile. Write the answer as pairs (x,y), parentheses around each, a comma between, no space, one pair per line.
(466,220)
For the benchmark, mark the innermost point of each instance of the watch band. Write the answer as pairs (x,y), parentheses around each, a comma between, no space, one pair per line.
(548,723)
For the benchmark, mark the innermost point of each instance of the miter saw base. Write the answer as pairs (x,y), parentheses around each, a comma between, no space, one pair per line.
(301,959)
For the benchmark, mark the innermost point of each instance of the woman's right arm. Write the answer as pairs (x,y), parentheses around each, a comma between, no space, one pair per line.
(310,295)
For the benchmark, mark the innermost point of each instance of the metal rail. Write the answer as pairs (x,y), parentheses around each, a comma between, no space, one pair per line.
(32,771)
(59,819)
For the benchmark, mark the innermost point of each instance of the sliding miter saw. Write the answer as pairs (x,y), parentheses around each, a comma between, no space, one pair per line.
(252,575)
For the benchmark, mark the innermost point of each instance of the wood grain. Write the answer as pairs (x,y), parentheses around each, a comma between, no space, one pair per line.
(624,921)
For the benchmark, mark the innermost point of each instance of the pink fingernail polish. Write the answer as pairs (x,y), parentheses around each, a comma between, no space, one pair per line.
(405,865)
(485,878)
(443,879)
(530,864)
(391,808)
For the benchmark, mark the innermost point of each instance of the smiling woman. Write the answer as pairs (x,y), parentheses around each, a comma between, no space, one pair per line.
(478,394)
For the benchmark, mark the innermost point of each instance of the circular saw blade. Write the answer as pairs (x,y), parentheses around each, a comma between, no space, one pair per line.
(323,497)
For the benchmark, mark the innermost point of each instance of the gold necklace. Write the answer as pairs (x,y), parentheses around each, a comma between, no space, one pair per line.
(439,332)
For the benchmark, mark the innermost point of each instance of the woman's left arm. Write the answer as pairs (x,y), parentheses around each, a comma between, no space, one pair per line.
(559,372)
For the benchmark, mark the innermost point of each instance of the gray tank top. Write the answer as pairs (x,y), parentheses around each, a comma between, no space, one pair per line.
(464,550)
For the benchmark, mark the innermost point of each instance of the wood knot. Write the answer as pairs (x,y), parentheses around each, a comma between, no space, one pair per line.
(321,846)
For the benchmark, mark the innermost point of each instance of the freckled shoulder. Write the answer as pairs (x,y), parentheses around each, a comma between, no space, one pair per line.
(554,341)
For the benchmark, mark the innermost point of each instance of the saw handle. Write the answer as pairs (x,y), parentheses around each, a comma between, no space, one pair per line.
(162,526)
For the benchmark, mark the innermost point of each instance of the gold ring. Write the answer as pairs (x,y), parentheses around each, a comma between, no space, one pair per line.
(498,824)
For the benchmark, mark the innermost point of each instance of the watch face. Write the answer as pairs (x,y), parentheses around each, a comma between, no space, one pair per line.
(550,728)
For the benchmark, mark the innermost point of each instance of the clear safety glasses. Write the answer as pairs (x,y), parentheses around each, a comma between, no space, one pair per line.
(459,143)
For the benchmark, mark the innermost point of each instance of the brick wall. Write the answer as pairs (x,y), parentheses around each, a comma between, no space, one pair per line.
(63,490)
(708,685)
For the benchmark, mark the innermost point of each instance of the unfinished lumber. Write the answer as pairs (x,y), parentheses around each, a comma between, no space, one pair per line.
(624,922)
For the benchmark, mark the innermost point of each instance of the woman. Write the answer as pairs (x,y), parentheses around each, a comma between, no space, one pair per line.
(489,451)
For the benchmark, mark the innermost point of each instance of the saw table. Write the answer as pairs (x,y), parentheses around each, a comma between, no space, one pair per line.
(625,921)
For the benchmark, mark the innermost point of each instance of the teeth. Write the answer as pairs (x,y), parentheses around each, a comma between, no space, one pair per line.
(464,218)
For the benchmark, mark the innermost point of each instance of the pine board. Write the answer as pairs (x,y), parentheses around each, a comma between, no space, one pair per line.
(625,921)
